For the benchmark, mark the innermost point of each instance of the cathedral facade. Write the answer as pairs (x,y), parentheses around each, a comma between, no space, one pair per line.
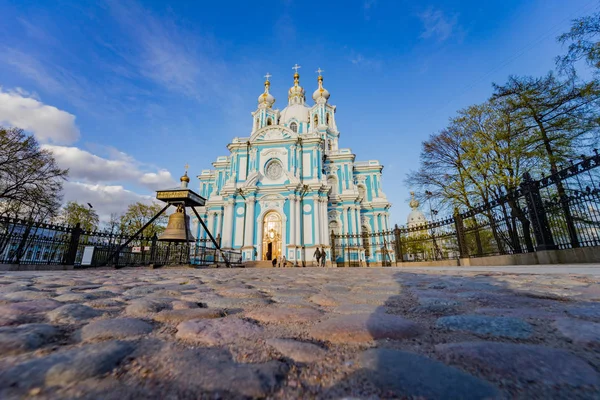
(284,189)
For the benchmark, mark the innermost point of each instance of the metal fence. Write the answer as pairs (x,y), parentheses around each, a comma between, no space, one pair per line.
(559,211)
(30,242)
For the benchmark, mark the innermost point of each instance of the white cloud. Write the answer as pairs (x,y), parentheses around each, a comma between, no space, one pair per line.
(47,123)
(362,61)
(105,199)
(438,25)
(121,167)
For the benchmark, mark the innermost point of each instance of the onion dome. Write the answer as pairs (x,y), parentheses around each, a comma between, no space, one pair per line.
(185,179)
(266,99)
(296,92)
(415,217)
(321,92)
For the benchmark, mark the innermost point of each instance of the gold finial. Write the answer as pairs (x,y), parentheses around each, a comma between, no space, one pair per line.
(414,203)
(185,177)
(296,74)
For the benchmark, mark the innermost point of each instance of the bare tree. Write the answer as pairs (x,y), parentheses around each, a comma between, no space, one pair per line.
(30,180)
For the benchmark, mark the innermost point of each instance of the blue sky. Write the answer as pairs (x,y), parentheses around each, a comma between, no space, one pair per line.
(127,92)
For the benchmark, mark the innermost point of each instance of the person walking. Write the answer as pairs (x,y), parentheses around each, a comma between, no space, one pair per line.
(318,256)
(283,261)
(274,262)
(323,257)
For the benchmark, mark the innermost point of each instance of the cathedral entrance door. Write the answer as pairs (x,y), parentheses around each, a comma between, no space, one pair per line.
(271,235)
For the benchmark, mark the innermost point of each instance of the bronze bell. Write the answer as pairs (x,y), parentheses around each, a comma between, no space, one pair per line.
(178,228)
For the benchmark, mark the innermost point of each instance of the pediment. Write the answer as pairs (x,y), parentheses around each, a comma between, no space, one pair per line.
(273,132)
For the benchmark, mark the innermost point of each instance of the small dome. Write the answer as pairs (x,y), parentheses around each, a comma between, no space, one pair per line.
(266,98)
(415,217)
(321,92)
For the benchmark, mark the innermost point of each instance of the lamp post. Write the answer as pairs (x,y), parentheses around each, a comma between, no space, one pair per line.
(432,213)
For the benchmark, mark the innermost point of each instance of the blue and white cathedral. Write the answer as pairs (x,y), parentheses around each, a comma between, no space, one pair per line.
(284,189)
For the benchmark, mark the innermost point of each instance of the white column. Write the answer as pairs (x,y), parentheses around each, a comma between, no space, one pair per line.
(298,216)
(375,223)
(293,220)
(227,224)
(210,223)
(249,234)
(325,225)
(358,224)
(316,219)
(346,229)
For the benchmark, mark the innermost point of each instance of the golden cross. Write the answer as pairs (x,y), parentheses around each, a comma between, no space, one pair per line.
(186,167)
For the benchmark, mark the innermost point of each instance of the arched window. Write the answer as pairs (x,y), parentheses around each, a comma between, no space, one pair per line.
(330,144)
(333,182)
(316,120)
(362,192)
(327,119)
(269,121)
(294,127)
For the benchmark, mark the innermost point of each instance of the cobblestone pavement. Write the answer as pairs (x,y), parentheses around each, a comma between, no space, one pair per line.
(299,333)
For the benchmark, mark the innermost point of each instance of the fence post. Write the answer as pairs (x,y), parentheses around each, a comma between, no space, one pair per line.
(73,245)
(153,249)
(537,214)
(333,256)
(398,244)
(463,249)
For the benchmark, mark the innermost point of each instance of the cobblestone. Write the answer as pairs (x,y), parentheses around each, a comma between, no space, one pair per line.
(299,333)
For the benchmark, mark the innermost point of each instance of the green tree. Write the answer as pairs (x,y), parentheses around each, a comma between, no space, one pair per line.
(30,180)
(74,213)
(138,214)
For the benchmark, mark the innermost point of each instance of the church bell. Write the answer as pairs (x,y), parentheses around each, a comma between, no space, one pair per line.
(178,228)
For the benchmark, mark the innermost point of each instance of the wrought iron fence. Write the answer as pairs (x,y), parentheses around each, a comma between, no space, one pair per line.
(29,242)
(559,211)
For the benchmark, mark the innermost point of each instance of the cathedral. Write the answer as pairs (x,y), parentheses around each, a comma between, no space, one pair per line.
(283,190)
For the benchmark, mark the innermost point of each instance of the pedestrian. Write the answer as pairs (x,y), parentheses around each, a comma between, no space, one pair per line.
(323,257)
(255,254)
(283,261)
(318,256)
(274,262)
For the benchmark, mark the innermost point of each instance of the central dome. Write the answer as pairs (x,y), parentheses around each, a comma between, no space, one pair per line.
(295,112)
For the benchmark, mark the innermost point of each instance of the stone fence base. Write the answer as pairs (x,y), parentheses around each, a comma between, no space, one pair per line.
(34,267)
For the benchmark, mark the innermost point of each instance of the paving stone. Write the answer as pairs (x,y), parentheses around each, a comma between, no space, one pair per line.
(591,311)
(183,305)
(285,314)
(526,363)
(582,332)
(436,306)
(298,351)
(358,309)
(145,307)
(230,302)
(105,303)
(176,316)
(24,338)
(486,325)
(66,367)
(141,291)
(26,311)
(404,374)
(359,328)
(324,300)
(215,332)
(214,370)
(25,295)
(240,293)
(75,297)
(117,328)
(72,314)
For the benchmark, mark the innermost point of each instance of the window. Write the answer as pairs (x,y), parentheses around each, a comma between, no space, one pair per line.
(269,122)
(330,144)
(327,119)
(294,127)
(316,121)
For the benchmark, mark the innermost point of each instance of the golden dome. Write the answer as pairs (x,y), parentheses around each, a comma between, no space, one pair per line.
(185,178)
